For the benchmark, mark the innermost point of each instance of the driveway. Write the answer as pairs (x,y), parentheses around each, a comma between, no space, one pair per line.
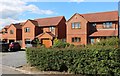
(13,59)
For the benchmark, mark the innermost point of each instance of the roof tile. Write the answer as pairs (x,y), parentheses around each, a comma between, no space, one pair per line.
(105,33)
(101,16)
(52,21)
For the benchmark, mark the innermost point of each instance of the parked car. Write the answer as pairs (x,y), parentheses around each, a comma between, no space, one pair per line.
(14,46)
(4,46)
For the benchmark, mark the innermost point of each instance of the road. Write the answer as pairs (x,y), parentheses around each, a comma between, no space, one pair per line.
(12,59)
(9,70)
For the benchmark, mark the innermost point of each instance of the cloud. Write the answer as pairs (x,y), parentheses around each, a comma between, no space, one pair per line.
(36,10)
(12,9)
(9,21)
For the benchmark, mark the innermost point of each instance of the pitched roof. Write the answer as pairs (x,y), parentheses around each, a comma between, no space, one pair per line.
(105,33)
(51,21)
(51,34)
(17,26)
(22,23)
(7,26)
(101,16)
(34,22)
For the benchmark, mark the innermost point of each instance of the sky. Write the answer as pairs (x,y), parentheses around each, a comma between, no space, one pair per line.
(14,11)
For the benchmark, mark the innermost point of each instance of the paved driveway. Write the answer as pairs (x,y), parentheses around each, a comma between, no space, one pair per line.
(13,59)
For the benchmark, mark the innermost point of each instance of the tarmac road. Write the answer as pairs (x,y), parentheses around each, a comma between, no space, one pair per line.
(8,70)
(13,59)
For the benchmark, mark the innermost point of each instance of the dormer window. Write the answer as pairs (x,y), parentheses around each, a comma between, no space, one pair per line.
(94,24)
(107,25)
(76,25)
(51,29)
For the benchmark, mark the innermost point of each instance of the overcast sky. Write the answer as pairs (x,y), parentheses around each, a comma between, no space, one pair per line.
(14,11)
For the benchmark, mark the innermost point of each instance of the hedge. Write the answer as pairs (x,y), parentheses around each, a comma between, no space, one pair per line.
(94,59)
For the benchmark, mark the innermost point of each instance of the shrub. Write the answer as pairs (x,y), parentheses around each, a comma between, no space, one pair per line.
(59,44)
(35,42)
(109,41)
(92,59)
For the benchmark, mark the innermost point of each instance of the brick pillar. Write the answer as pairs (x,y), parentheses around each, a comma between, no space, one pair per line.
(23,44)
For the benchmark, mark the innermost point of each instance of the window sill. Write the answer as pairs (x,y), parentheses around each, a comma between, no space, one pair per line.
(75,28)
(26,32)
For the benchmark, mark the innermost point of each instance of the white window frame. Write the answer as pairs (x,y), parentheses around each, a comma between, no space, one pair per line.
(27,29)
(76,25)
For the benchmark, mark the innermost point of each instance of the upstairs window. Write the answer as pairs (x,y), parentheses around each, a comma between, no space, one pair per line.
(3,32)
(27,29)
(94,24)
(51,29)
(107,25)
(76,25)
(76,39)
(11,31)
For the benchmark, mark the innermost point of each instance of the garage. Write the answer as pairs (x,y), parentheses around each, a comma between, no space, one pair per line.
(46,39)
(47,42)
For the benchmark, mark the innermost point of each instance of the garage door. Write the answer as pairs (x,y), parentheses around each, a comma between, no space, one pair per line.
(47,43)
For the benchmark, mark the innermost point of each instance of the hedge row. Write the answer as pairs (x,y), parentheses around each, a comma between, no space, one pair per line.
(92,60)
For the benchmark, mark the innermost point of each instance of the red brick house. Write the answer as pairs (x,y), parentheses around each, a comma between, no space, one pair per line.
(12,33)
(45,29)
(3,33)
(90,28)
